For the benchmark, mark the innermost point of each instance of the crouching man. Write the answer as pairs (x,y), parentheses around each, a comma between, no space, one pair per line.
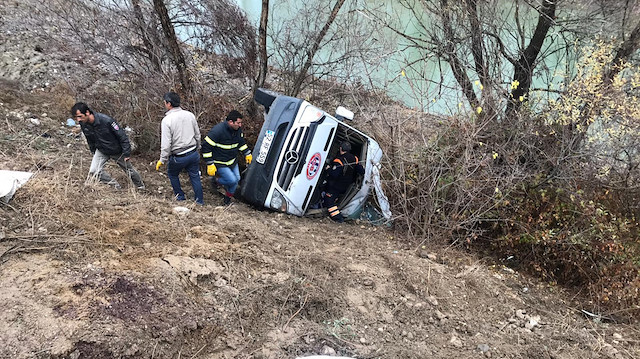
(107,140)
(220,149)
(341,173)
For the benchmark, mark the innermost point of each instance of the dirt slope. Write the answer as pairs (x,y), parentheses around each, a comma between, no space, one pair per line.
(89,272)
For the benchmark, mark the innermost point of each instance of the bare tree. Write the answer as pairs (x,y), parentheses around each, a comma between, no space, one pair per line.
(501,36)
(174,47)
(451,55)
(472,40)
(262,56)
(220,28)
(348,49)
(125,56)
(524,66)
(477,48)
(262,45)
(297,83)
(147,34)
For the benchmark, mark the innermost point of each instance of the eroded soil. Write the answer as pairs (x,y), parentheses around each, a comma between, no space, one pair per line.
(90,272)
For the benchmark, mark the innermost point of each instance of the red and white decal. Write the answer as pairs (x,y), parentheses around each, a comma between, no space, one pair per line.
(313,167)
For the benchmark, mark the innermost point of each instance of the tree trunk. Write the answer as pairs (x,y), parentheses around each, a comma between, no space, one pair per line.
(457,67)
(476,42)
(174,47)
(262,56)
(526,63)
(302,75)
(262,46)
(148,45)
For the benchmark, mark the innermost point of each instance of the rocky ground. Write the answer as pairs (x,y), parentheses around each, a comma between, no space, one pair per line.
(90,272)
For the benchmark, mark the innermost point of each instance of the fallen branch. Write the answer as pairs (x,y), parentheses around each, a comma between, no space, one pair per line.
(20,249)
(8,205)
(235,304)
(198,352)
(296,313)
(46,238)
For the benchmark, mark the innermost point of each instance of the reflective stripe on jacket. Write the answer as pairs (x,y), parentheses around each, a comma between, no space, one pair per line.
(222,144)
(342,173)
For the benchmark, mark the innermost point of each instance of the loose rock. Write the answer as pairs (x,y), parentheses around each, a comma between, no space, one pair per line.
(533,322)
(327,350)
(181,211)
(455,341)
(483,348)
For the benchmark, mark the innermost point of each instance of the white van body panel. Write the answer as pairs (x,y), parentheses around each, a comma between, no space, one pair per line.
(374,155)
(294,148)
(297,189)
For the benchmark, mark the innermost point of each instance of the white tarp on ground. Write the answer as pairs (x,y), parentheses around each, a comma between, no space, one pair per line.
(10,181)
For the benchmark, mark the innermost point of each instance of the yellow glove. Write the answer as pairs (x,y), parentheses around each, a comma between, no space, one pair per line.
(158,164)
(248,158)
(211,170)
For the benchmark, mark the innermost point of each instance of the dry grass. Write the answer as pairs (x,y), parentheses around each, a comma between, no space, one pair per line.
(298,283)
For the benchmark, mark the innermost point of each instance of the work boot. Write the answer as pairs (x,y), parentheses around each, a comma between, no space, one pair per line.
(338,218)
(227,198)
(215,186)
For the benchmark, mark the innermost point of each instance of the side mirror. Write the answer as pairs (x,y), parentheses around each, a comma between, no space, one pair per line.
(343,114)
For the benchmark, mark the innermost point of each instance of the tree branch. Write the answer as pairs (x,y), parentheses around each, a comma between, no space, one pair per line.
(174,47)
(628,47)
(526,63)
(297,84)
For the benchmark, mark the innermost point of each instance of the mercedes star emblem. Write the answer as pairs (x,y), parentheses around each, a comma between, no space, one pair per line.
(291,157)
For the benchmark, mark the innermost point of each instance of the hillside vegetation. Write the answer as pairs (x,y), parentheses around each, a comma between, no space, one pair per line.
(90,272)
(515,230)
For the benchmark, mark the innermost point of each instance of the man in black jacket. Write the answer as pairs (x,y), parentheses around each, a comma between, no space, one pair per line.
(107,140)
(340,174)
(220,149)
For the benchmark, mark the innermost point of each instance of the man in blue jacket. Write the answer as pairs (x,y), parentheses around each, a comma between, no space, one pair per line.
(107,140)
(220,150)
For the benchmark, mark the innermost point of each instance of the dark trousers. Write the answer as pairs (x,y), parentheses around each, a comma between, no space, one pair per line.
(190,163)
(329,202)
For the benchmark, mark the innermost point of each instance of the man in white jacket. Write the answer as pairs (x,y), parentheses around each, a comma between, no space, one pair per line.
(180,146)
